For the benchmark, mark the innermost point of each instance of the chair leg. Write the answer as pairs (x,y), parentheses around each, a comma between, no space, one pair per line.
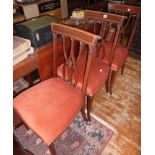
(89,106)
(122,70)
(52,149)
(18,149)
(18,125)
(107,84)
(83,113)
(29,79)
(112,79)
(26,126)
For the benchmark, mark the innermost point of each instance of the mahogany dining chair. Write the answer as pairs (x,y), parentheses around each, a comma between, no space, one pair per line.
(108,26)
(100,70)
(128,31)
(49,107)
(128,27)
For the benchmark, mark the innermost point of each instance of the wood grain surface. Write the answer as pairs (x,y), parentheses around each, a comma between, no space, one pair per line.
(122,111)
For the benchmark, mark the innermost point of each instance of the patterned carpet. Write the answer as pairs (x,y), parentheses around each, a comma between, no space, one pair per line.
(81,138)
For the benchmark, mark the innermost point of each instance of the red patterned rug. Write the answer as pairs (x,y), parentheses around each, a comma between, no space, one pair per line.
(80,138)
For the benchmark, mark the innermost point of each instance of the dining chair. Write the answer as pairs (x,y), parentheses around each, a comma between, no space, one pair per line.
(49,107)
(109,27)
(128,32)
(100,70)
(133,15)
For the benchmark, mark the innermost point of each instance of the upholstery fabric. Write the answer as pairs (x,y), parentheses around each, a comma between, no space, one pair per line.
(120,55)
(99,72)
(43,104)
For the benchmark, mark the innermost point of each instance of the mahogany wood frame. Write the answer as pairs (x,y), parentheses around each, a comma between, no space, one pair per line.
(132,11)
(79,35)
(134,15)
(85,38)
(104,18)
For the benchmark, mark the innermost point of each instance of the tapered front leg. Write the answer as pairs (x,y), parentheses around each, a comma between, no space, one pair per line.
(122,70)
(29,79)
(52,149)
(83,113)
(112,80)
(89,106)
(107,84)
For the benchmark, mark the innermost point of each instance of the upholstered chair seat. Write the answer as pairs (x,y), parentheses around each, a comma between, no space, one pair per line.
(99,72)
(43,107)
(120,55)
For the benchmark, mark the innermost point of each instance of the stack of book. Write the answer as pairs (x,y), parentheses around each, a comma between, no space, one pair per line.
(21,49)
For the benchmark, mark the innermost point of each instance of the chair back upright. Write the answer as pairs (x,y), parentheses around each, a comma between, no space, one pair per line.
(133,15)
(74,36)
(110,27)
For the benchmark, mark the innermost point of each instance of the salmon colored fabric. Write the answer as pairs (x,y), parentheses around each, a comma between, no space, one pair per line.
(120,56)
(49,107)
(99,72)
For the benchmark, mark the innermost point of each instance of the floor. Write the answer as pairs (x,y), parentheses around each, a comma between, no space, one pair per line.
(122,110)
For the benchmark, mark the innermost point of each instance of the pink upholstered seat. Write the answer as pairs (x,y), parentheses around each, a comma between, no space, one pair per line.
(99,72)
(43,107)
(120,55)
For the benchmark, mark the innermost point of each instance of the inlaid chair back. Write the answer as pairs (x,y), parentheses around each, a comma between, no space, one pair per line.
(132,13)
(78,40)
(110,27)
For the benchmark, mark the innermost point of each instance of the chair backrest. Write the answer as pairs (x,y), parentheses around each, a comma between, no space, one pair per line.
(73,36)
(110,29)
(133,14)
